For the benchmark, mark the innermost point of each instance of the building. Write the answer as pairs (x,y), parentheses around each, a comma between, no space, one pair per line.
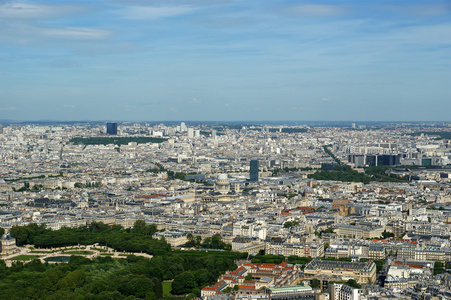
(292,293)
(7,244)
(343,292)
(111,128)
(363,273)
(358,231)
(253,171)
(190,132)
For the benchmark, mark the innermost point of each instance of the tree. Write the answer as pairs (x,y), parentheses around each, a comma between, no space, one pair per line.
(198,240)
(438,268)
(236,288)
(2,231)
(190,238)
(326,245)
(183,283)
(290,224)
(315,283)
(386,234)
(139,226)
(353,283)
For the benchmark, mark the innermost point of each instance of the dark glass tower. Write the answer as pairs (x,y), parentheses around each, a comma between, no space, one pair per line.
(111,128)
(253,170)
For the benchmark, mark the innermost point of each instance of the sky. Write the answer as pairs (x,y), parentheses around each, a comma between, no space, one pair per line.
(225,60)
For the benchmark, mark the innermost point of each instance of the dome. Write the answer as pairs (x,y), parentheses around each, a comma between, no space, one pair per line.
(223,177)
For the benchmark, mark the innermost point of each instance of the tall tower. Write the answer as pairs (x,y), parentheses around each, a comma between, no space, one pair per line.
(253,170)
(190,132)
(111,128)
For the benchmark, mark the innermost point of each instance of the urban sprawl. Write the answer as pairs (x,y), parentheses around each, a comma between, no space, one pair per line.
(352,212)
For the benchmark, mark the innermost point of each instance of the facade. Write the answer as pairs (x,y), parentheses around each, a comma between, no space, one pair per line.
(359,232)
(362,272)
(111,128)
(292,293)
(253,171)
(7,244)
(418,253)
(344,292)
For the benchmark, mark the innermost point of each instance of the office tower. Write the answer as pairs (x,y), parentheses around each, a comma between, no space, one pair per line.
(253,170)
(213,134)
(197,133)
(190,132)
(1,129)
(183,127)
(111,128)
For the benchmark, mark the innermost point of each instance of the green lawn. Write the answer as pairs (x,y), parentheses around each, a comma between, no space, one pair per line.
(167,287)
(24,257)
(78,252)
(99,249)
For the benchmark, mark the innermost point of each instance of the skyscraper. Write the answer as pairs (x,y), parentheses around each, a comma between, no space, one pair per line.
(111,128)
(190,133)
(253,170)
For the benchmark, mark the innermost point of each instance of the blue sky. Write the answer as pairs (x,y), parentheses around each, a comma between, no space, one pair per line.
(228,60)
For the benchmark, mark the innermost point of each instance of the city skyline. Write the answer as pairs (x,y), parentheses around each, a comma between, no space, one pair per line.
(225,60)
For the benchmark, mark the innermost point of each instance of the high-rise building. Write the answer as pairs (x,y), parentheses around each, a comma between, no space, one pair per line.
(111,128)
(1,129)
(253,170)
(343,292)
(190,132)
(213,134)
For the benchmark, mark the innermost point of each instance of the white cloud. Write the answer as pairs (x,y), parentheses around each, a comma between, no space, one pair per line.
(73,33)
(153,12)
(196,101)
(23,23)
(36,11)
(24,33)
(422,10)
(317,10)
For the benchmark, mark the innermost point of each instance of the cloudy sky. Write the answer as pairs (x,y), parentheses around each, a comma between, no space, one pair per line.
(206,60)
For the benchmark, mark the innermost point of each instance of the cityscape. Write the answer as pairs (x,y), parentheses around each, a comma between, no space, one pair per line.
(308,211)
(225,150)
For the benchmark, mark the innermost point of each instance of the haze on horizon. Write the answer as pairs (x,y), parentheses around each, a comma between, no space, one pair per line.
(225,60)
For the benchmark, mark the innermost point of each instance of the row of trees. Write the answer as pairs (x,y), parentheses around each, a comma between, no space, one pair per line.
(101,278)
(346,173)
(289,224)
(137,239)
(105,278)
(115,140)
(214,242)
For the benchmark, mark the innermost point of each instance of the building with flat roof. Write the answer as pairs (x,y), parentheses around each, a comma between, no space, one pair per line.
(363,273)
(253,171)
(111,128)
